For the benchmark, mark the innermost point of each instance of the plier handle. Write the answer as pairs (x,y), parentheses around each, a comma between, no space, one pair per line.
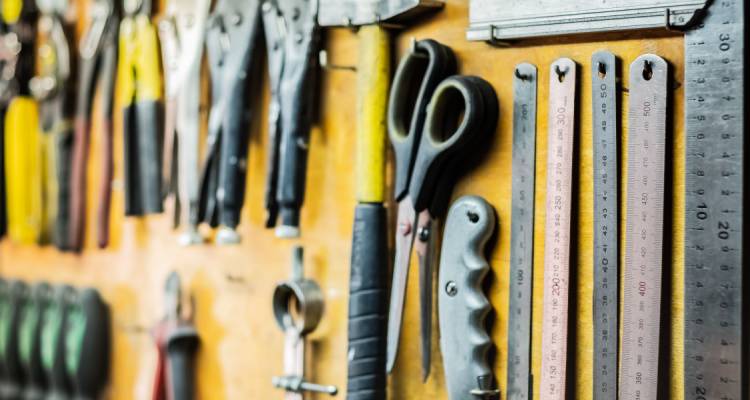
(97,64)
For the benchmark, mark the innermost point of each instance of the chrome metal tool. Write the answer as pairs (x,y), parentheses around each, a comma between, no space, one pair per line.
(644,238)
(522,232)
(298,307)
(715,265)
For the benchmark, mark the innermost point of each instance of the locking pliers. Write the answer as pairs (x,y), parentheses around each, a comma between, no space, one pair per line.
(182,32)
(231,40)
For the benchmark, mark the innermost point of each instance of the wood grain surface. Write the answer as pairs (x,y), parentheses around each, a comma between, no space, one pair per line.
(241,346)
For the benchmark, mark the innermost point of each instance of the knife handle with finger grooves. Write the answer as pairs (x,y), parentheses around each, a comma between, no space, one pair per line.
(462,305)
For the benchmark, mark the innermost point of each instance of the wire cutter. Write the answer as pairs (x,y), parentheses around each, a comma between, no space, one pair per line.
(97,63)
(232,40)
(182,31)
(140,93)
(22,141)
(293,33)
(176,341)
(53,90)
(434,122)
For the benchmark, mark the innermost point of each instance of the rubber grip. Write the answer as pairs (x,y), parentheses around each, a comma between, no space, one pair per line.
(368,304)
(181,347)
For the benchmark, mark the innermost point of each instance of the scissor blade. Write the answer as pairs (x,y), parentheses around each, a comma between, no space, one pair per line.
(404,240)
(425,247)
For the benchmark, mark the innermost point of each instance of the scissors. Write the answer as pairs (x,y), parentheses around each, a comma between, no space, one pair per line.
(434,121)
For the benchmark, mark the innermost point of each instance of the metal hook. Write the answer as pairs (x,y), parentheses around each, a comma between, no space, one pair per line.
(561,73)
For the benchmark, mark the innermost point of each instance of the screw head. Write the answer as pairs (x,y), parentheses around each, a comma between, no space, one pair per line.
(451,288)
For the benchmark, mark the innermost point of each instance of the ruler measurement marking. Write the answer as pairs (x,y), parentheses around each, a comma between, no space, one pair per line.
(644,228)
(522,232)
(561,139)
(606,232)
(713,209)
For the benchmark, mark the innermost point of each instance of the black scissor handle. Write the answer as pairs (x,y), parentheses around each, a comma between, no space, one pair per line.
(462,110)
(418,74)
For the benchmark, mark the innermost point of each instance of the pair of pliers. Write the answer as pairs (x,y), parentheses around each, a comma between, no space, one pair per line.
(176,340)
(97,56)
(21,147)
(7,64)
(293,37)
(182,32)
(141,94)
(435,122)
(53,90)
(232,42)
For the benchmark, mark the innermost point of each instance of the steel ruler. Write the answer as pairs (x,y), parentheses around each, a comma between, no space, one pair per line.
(714,163)
(644,209)
(522,232)
(562,104)
(606,289)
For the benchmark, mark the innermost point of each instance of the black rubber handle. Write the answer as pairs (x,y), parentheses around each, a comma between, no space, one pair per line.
(142,129)
(90,350)
(368,304)
(181,346)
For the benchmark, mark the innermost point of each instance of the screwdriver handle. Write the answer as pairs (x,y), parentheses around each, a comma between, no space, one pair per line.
(181,346)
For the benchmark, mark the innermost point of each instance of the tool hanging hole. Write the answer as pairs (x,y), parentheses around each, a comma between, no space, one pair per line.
(602,67)
(561,73)
(473,217)
(648,70)
(523,77)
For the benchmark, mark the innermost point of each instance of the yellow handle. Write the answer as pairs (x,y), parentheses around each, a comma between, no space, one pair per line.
(139,72)
(23,166)
(11,10)
(372,95)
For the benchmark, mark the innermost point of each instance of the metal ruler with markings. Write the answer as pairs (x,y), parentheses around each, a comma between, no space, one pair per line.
(714,165)
(606,289)
(644,233)
(522,232)
(560,146)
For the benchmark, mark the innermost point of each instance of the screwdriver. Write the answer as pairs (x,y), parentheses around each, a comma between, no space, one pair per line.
(87,344)
(54,321)
(12,296)
(29,341)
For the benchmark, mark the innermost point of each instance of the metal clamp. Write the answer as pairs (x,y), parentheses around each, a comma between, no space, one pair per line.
(298,307)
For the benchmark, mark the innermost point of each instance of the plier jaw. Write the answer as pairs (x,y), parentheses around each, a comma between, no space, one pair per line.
(103,19)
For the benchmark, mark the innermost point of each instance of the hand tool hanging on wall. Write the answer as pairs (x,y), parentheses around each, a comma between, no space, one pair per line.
(87,344)
(7,63)
(23,166)
(298,307)
(30,341)
(715,266)
(13,295)
(368,293)
(55,324)
(606,220)
(462,303)
(53,90)
(560,142)
(177,341)
(182,31)
(140,91)
(522,232)
(644,209)
(232,39)
(295,38)
(96,69)
(433,127)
